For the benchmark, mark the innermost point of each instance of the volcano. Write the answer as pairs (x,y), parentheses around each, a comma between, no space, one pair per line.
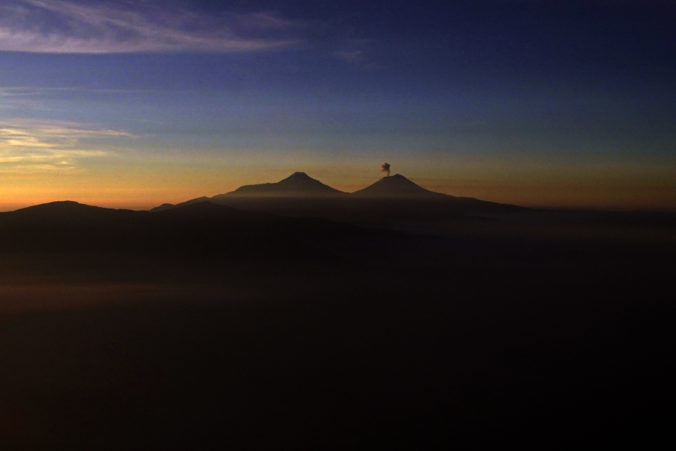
(397,186)
(298,184)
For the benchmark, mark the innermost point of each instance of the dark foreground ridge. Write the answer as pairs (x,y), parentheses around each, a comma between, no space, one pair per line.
(196,228)
(210,326)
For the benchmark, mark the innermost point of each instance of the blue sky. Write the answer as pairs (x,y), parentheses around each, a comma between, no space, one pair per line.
(487,98)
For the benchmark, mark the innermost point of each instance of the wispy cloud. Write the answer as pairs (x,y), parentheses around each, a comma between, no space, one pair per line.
(39,146)
(68,26)
(356,52)
(350,56)
(356,58)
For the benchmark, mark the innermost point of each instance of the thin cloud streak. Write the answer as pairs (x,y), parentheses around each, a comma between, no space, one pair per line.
(350,56)
(65,26)
(29,146)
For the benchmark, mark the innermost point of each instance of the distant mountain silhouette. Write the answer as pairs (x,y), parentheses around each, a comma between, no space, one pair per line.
(65,212)
(393,202)
(396,186)
(165,206)
(168,206)
(197,228)
(298,184)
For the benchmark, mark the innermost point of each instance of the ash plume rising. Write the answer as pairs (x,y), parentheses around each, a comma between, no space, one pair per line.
(385,167)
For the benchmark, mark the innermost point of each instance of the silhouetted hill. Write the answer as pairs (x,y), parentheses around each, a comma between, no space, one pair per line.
(298,184)
(195,210)
(186,321)
(199,228)
(164,206)
(167,206)
(66,210)
(396,186)
(56,218)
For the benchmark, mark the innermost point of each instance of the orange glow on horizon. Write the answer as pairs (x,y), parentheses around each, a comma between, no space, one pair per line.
(143,185)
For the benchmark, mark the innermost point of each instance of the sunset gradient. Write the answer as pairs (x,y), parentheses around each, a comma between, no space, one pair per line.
(533,103)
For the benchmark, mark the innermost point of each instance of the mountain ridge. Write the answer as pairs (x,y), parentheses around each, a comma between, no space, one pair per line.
(196,229)
(302,195)
(298,184)
(397,186)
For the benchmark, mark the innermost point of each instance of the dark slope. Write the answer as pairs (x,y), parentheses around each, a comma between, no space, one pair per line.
(70,225)
(168,206)
(200,228)
(165,206)
(484,342)
(298,184)
(397,186)
(520,342)
(408,214)
(393,202)
(67,211)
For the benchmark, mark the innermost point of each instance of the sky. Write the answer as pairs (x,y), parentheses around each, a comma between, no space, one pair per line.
(534,102)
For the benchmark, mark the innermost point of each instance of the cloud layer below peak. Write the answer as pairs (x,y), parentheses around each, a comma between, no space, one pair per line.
(67,26)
